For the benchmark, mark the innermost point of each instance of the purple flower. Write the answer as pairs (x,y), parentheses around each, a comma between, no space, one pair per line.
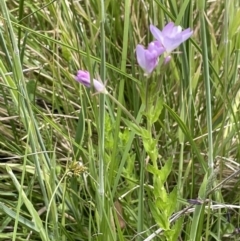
(83,77)
(148,58)
(171,36)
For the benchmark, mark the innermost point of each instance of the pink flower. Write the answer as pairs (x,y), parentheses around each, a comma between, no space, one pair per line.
(171,36)
(83,77)
(148,58)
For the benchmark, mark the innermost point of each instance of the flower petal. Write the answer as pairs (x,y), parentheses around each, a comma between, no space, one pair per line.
(148,58)
(141,59)
(156,47)
(172,43)
(186,34)
(151,61)
(157,34)
(99,86)
(168,28)
(83,77)
(171,36)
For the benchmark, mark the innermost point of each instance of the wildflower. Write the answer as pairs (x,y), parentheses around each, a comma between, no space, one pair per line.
(148,58)
(83,77)
(171,36)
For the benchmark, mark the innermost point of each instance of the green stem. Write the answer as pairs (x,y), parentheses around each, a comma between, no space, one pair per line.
(102,116)
(207,86)
(114,166)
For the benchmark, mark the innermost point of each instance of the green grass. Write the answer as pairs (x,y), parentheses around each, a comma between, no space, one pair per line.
(80,165)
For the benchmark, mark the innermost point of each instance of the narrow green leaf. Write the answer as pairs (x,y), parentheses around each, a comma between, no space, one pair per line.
(172,199)
(162,173)
(27,223)
(177,227)
(160,218)
(29,206)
